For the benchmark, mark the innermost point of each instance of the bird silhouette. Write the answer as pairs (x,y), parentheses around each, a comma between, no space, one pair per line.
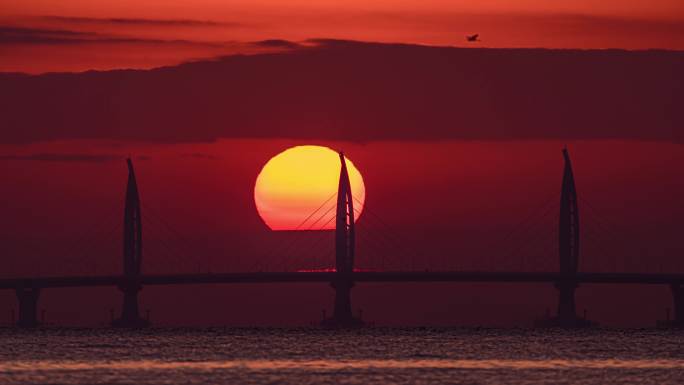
(473,38)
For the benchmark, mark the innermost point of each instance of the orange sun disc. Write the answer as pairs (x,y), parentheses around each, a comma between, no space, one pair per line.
(297,189)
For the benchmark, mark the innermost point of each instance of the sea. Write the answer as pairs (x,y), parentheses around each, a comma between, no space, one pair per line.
(365,356)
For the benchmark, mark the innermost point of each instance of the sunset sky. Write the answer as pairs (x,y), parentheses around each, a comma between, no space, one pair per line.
(459,146)
(71,35)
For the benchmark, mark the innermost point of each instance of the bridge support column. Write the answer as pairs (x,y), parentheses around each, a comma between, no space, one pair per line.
(130,316)
(28,307)
(678,299)
(567,315)
(342,314)
(678,305)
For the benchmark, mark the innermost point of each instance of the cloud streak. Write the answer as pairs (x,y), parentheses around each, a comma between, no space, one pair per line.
(69,158)
(54,157)
(141,21)
(24,35)
(276,43)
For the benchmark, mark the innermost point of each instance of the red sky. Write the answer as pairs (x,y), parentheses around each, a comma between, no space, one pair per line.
(144,34)
(456,146)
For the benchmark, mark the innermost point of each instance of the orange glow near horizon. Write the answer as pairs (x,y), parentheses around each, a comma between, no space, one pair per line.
(300,181)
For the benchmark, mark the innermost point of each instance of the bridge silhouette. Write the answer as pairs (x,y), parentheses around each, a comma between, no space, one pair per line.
(345,274)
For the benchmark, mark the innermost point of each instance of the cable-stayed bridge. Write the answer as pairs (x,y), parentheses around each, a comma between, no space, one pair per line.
(385,259)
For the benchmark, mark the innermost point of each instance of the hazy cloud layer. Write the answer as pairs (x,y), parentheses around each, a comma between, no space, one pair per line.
(22,35)
(141,21)
(72,157)
(553,23)
(342,90)
(53,157)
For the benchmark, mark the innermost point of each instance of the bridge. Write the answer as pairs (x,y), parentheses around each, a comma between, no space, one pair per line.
(345,274)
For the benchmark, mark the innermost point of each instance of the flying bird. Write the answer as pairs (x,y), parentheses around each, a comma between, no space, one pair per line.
(473,38)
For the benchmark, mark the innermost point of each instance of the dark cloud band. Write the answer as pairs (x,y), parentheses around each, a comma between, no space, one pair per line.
(341,90)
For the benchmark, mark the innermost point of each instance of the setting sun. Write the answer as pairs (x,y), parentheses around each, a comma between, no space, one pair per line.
(300,181)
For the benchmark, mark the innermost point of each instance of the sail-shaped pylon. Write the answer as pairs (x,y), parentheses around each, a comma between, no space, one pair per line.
(568,226)
(568,253)
(344,254)
(132,256)
(132,237)
(344,224)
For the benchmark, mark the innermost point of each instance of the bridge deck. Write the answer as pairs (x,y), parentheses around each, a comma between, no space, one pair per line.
(365,276)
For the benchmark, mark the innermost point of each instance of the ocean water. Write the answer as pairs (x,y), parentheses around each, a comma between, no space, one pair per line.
(365,356)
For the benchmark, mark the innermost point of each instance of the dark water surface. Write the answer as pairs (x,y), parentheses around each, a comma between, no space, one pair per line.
(367,356)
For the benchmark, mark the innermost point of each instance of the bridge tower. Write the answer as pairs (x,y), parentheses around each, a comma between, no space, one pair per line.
(132,256)
(344,254)
(568,245)
(568,252)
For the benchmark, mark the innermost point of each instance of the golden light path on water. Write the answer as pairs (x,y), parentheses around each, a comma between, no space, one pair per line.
(334,365)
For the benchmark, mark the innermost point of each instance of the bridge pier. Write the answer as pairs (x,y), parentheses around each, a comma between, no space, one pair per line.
(342,314)
(678,299)
(566,314)
(130,315)
(28,307)
(678,305)
(566,317)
